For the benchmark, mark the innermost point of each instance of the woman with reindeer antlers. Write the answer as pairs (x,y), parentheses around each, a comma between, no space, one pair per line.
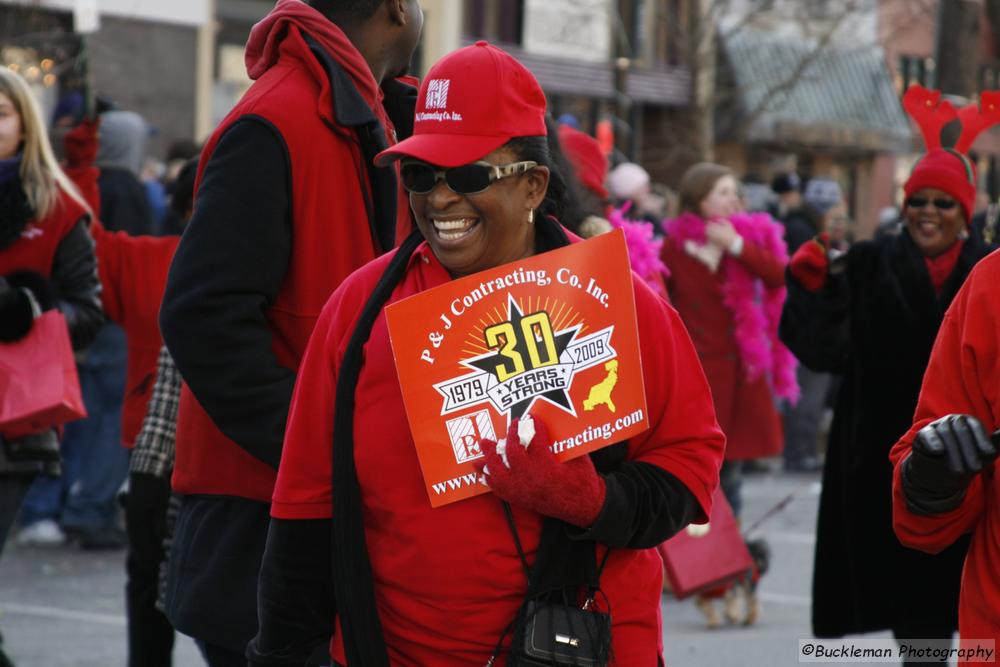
(872,315)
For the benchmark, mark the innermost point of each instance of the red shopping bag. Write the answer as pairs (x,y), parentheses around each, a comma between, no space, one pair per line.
(701,557)
(39,386)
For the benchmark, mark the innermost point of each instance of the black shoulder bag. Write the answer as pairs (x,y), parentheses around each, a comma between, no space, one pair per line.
(553,631)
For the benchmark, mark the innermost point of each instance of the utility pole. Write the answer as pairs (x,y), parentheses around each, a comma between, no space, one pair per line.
(956,47)
(204,75)
(620,65)
(702,59)
(623,106)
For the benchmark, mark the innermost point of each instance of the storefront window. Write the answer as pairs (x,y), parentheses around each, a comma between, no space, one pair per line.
(989,77)
(915,69)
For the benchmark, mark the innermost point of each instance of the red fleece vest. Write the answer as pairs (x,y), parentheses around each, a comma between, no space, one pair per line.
(330,239)
(36,249)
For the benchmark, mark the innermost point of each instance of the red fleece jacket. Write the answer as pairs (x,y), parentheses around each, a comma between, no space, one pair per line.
(439,569)
(963,377)
(133,272)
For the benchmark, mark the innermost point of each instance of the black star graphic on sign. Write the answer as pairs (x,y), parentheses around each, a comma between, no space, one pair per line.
(491,362)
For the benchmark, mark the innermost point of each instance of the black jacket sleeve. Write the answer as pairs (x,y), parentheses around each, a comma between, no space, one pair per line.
(645,505)
(816,326)
(77,286)
(295,596)
(228,268)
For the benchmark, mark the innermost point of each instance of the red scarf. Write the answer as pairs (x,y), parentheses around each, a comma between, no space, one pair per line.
(265,40)
(940,267)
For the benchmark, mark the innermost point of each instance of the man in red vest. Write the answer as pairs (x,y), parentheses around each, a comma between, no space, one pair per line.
(289,202)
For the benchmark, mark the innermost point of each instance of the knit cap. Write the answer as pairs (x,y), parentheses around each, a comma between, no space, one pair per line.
(584,153)
(823,194)
(627,180)
(946,170)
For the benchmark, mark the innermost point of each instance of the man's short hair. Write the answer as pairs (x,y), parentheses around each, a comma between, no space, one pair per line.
(347,10)
(787,181)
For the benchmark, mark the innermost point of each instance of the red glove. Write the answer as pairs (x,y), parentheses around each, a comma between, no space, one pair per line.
(80,143)
(810,264)
(536,480)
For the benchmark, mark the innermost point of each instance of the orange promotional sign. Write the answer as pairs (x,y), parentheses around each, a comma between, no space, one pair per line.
(552,335)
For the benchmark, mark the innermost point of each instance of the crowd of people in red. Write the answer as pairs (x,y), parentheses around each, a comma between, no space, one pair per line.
(261,399)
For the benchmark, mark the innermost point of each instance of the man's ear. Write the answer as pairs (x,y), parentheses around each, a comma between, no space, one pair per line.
(397,11)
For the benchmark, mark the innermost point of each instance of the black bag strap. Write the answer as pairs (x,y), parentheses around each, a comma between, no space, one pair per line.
(520,550)
(364,643)
(517,538)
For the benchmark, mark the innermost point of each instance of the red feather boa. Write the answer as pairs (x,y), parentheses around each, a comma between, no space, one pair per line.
(643,248)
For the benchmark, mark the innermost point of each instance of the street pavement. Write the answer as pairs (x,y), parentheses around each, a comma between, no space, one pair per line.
(60,607)
(784,591)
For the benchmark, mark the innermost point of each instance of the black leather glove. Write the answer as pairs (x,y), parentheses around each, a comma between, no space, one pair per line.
(946,455)
(16,312)
(146,515)
(22,295)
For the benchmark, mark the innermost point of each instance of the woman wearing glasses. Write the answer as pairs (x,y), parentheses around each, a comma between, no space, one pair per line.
(872,316)
(414,585)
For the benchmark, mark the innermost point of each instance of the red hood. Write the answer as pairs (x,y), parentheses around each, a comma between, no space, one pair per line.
(265,40)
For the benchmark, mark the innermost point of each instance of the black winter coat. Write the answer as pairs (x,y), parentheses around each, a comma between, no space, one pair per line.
(124,204)
(875,323)
(801,224)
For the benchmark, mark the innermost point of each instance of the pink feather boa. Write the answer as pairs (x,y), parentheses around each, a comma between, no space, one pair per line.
(756,309)
(643,249)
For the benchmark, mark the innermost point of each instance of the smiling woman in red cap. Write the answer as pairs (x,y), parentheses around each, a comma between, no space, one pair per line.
(404,583)
(872,316)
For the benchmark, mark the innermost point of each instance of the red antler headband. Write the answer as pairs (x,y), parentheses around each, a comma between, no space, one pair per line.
(931,115)
(976,118)
(948,169)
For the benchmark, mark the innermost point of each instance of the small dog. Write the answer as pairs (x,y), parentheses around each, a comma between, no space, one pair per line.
(740,605)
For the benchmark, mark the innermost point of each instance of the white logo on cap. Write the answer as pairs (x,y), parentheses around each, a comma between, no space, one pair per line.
(437,93)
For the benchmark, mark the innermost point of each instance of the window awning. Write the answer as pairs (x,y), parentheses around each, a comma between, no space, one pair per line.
(775,90)
(664,86)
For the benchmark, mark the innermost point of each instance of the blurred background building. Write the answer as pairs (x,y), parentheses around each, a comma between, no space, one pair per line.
(761,85)
(148,56)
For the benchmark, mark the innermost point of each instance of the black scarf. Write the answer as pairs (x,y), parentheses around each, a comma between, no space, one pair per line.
(563,566)
(351,111)
(15,211)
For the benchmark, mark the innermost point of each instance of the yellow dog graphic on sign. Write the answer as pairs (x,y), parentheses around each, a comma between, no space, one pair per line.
(601,392)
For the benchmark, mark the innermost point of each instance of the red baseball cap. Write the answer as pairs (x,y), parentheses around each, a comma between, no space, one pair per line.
(472,102)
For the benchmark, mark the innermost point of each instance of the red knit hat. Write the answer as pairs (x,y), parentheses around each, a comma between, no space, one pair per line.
(948,169)
(585,154)
(473,101)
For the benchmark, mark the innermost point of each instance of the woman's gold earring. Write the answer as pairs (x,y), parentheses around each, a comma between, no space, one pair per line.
(531,216)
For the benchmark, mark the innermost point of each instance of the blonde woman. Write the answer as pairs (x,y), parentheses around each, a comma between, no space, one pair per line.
(46,261)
